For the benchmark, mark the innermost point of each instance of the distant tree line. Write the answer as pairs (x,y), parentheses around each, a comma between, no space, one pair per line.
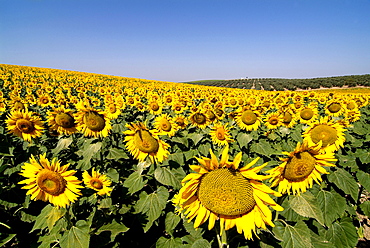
(281,84)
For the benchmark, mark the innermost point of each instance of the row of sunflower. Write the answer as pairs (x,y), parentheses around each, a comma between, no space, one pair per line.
(148,152)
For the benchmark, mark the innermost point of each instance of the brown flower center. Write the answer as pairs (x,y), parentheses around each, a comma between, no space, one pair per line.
(334,107)
(165,125)
(25,126)
(112,108)
(287,118)
(94,121)
(227,192)
(51,182)
(299,166)
(154,106)
(325,133)
(249,117)
(65,120)
(199,118)
(145,142)
(96,184)
(18,106)
(273,120)
(307,114)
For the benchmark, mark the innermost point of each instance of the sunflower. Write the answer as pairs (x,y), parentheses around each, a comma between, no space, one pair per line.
(308,113)
(352,115)
(92,122)
(112,110)
(220,134)
(49,181)
(178,107)
(248,119)
(303,166)
(180,121)
(334,108)
(199,119)
(155,107)
(330,133)
(220,190)
(142,143)
(17,103)
(2,106)
(273,120)
(289,118)
(165,125)
(97,182)
(62,120)
(24,124)
(44,100)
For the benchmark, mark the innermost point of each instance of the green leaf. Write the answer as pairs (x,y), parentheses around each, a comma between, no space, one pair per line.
(113,174)
(204,149)
(307,205)
(263,148)
(195,137)
(278,230)
(116,153)
(345,181)
(166,177)
(171,221)
(365,207)
(359,129)
(134,182)
(296,135)
(7,239)
(363,155)
(89,150)
(178,157)
(115,228)
(320,241)
(201,243)
(332,204)
(288,212)
(342,234)
(243,139)
(297,236)
(162,242)
(76,237)
(41,219)
(105,203)
(152,204)
(364,179)
(49,239)
(54,215)
(189,227)
(62,144)
(180,140)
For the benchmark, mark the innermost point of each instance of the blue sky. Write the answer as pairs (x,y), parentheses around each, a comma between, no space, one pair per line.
(183,40)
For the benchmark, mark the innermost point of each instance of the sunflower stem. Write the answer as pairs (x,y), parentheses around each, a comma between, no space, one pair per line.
(279,201)
(222,240)
(68,218)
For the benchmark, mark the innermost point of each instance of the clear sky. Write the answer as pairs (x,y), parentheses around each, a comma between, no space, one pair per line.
(183,40)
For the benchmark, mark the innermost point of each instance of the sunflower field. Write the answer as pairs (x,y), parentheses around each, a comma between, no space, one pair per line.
(89,160)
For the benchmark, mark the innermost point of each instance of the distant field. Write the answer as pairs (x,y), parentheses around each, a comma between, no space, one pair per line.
(280,84)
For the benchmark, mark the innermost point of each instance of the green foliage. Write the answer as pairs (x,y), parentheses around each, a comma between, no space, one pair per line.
(326,215)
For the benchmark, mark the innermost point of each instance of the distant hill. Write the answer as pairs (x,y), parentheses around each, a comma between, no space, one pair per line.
(281,84)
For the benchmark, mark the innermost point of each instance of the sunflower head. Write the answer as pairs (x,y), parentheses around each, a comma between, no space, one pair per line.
(302,166)
(142,142)
(329,133)
(49,181)
(92,122)
(98,182)
(24,124)
(221,190)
